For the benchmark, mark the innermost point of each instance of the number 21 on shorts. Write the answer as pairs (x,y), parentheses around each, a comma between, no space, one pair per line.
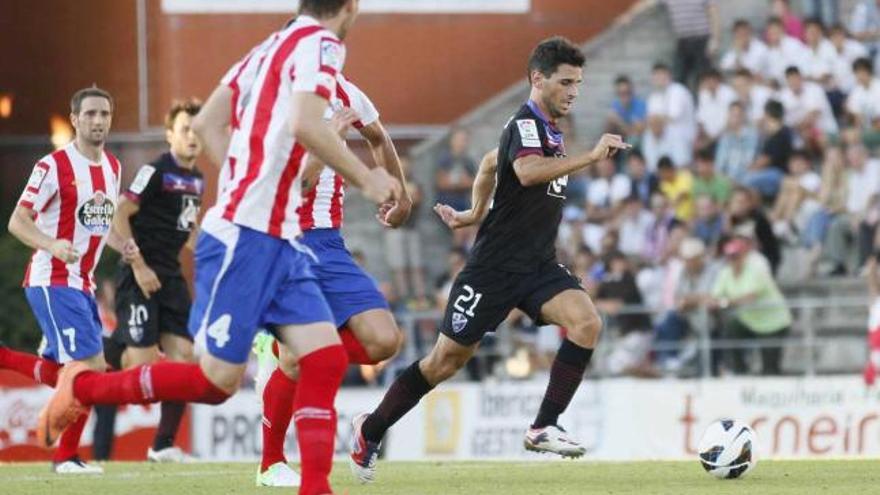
(463,302)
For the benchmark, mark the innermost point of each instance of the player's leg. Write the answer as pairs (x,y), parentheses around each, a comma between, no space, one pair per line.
(278,397)
(41,369)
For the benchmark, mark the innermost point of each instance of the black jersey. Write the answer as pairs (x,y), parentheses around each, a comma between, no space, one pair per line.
(169,197)
(519,233)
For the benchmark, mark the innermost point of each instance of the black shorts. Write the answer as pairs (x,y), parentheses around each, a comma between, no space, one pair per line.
(480,298)
(141,320)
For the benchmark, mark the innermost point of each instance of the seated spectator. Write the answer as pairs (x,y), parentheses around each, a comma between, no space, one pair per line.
(633,225)
(693,284)
(713,102)
(752,304)
(746,51)
(783,51)
(863,103)
(832,202)
(658,142)
(807,110)
(746,219)
(864,25)
(737,145)
(793,27)
(606,192)
(766,172)
(708,225)
(859,218)
(818,60)
(454,177)
(403,249)
(846,52)
(707,181)
(619,296)
(628,111)
(798,198)
(674,103)
(643,183)
(586,268)
(752,95)
(658,236)
(677,185)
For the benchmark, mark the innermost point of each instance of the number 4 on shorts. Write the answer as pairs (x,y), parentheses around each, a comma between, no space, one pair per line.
(219,330)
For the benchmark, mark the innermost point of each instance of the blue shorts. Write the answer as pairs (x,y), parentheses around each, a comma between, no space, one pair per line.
(347,288)
(246,280)
(69,320)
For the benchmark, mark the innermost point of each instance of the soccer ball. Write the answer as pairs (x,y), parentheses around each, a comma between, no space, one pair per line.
(727,449)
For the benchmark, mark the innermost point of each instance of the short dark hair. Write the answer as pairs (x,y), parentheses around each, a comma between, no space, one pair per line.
(774,20)
(838,28)
(637,154)
(737,104)
(799,154)
(792,70)
(622,79)
(94,91)
(741,23)
(705,154)
(321,8)
(711,73)
(863,63)
(665,163)
(190,106)
(815,21)
(660,66)
(553,52)
(774,110)
(743,72)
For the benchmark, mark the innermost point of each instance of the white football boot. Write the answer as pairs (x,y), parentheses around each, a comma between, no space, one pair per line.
(554,440)
(76,466)
(278,475)
(169,455)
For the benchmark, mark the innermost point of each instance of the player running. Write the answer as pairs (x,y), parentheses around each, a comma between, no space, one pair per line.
(156,218)
(64,214)
(366,326)
(513,263)
(250,271)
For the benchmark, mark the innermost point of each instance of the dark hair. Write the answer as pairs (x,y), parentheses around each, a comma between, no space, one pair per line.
(622,79)
(742,72)
(637,154)
(792,70)
(711,72)
(799,154)
(863,63)
(191,106)
(705,154)
(774,110)
(665,163)
(741,23)
(321,8)
(838,28)
(737,104)
(660,66)
(79,96)
(553,52)
(774,20)
(815,21)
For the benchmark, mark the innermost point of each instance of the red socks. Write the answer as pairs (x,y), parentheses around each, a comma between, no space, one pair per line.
(69,442)
(321,374)
(162,381)
(278,397)
(357,354)
(32,366)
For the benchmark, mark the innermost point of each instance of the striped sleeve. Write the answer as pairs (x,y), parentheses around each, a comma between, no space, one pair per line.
(314,65)
(41,187)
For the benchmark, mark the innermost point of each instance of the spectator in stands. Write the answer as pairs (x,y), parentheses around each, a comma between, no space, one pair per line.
(783,51)
(643,182)
(832,202)
(753,306)
(862,189)
(746,51)
(455,261)
(798,198)
(606,192)
(707,182)
(781,10)
(846,52)
(693,282)
(807,110)
(819,56)
(863,103)
(586,268)
(628,111)
(708,225)
(658,236)
(697,29)
(746,219)
(766,172)
(633,226)
(677,185)
(454,177)
(713,103)
(752,95)
(826,10)
(675,104)
(737,145)
(403,249)
(864,25)
(658,141)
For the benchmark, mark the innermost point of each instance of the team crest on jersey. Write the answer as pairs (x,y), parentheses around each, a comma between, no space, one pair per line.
(459,321)
(189,212)
(556,188)
(331,53)
(96,214)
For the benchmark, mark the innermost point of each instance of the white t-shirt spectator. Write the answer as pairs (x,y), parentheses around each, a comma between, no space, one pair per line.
(843,61)
(789,52)
(810,182)
(656,147)
(861,185)
(754,58)
(712,109)
(605,192)
(811,98)
(759,95)
(677,105)
(819,62)
(865,102)
(634,232)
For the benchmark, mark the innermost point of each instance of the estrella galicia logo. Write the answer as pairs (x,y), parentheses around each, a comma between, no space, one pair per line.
(96,214)
(459,321)
(556,188)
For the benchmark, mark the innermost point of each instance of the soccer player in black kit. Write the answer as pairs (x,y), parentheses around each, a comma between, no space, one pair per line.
(157,217)
(513,263)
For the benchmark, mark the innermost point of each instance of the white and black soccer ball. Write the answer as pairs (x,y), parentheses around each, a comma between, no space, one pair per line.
(727,449)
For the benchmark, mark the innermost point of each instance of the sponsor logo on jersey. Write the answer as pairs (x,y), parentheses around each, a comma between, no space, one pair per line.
(556,188)
(189,212)
(96,214)
(37,177)
(331,53)
(182,184)
(528,133)
(459,321)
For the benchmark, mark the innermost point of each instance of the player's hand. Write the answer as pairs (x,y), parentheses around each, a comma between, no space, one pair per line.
(379,187)
(393,214)
(608,146)
(455,219)
(130,251)
(64,251)
(343,119)
(146,279)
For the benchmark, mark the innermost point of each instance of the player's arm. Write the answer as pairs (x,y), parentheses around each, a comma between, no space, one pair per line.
(212,124)
(22,226)
(385,155)
(536,169)
(481,196)
(308,127)
(340,123)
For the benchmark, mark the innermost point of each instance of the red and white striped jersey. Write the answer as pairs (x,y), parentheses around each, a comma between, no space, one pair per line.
(74,199)
(260,181)
(322,205)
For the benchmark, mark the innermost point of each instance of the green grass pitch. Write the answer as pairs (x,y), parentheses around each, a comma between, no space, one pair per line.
(471,478)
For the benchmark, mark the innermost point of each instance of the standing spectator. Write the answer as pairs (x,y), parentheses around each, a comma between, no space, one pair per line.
(606,192)
(846,52)
(633,226)
(781,9)
(746,51)
(697,29)
(862,188)
(659,141)
(737,145)
(746,219)
(628,111)
(644,183)
(753,305)
(783,51)
(675,104)
(713,103)
(752,96)
(807,110)
(708,225)
(864,25)
(403,248)
(707,181)
(677,185)
(453,180)
(863,103)
(766,172)
(798,198)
